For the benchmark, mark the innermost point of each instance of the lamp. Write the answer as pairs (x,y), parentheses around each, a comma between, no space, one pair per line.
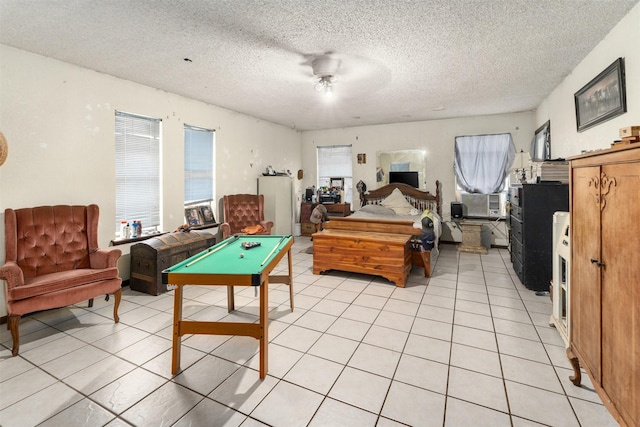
(520,163)
(325,84)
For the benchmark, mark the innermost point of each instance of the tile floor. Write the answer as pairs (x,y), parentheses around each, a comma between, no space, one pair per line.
(468,347)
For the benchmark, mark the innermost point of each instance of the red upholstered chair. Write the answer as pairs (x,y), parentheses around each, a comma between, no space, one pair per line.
(243,210)
(53,260)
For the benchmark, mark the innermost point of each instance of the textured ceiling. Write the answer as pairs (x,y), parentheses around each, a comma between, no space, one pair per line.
(400,60)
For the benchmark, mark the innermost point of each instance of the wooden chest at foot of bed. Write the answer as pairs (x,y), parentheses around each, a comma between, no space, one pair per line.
(381,254)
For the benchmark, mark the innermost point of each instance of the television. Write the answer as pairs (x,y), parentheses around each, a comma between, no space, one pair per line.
(409,178)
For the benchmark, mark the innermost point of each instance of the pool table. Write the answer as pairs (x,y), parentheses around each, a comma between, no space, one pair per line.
(230,263)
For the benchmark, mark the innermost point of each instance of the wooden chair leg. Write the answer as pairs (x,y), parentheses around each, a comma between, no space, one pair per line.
(12,323)
(426,260)
(116,304)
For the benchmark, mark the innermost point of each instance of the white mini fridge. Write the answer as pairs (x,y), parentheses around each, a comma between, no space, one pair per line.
(279,202)
(561,274)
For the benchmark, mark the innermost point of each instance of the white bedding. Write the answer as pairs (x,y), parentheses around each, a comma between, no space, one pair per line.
(381,212)
(390,215)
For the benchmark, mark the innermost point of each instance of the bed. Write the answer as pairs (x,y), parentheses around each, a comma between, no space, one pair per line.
(374,216)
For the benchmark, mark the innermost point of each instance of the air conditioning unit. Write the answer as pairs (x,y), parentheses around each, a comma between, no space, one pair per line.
(484,205)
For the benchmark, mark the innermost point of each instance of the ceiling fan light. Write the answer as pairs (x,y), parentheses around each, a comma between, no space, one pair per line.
(328,91)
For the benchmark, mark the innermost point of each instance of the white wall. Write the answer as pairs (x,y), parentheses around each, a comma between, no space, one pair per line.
(435,137)
(566,141)
(59,121)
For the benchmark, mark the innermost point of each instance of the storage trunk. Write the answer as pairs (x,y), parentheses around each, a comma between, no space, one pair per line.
(150,257)
(382,254)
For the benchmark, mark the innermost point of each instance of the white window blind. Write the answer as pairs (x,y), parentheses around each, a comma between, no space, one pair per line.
(336,162)
(198,165)
(137,170)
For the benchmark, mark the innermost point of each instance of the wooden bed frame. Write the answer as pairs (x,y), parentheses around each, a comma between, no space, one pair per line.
(420,199)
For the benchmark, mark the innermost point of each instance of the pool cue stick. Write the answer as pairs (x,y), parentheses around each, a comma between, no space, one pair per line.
(273,250)
(236,237)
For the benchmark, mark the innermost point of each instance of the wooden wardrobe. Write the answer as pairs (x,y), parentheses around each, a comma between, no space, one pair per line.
(605,276)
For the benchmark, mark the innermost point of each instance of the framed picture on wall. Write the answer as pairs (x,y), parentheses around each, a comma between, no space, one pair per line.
(603,98)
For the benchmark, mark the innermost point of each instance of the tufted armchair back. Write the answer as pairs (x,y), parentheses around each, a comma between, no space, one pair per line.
(242,210)
(51,239)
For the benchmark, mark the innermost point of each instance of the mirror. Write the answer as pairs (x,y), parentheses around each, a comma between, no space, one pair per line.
(401,161)
(541,144)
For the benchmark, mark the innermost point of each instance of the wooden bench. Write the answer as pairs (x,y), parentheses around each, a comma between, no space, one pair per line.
(381,254)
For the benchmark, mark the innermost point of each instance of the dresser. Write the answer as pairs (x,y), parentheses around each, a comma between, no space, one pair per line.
(307,228)
(531,220)
(604,334)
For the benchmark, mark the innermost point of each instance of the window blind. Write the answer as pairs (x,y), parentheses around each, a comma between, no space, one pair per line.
(198,165)
(137,170)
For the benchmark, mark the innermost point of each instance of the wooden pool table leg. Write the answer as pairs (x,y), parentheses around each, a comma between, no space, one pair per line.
(231,303)
(289,257)
(264,329)
(177,337)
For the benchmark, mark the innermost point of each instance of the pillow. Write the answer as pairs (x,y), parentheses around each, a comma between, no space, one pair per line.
(398,203)
(377,209)
(254,229)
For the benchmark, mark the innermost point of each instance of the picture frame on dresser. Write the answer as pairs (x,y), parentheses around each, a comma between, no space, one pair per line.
(193,216)
(207,215)
(603,98)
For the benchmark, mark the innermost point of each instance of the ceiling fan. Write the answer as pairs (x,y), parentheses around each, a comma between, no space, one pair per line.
(325,69)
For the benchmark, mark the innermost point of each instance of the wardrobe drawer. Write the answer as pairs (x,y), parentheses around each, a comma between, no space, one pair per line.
(516,211)
(516,229)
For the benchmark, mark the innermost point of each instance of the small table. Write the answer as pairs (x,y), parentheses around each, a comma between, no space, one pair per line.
(472,238)
(228,264)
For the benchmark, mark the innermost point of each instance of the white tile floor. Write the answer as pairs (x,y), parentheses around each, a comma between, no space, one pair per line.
(468,347)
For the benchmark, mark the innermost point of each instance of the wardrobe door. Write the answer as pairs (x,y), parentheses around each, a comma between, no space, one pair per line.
(620,188)
(585,272)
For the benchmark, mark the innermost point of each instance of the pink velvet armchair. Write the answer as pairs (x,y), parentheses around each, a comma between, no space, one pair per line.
(53,260)
(244,210)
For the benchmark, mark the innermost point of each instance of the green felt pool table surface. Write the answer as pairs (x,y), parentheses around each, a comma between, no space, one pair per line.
(230,261)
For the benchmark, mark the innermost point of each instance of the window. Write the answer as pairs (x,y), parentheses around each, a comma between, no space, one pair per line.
(335,162)
(199,163)
(137,170)
(482,162)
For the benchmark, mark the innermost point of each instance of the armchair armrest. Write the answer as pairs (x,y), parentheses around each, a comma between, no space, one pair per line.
(105,258)
(226,230)
(12,273)
(268,225)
